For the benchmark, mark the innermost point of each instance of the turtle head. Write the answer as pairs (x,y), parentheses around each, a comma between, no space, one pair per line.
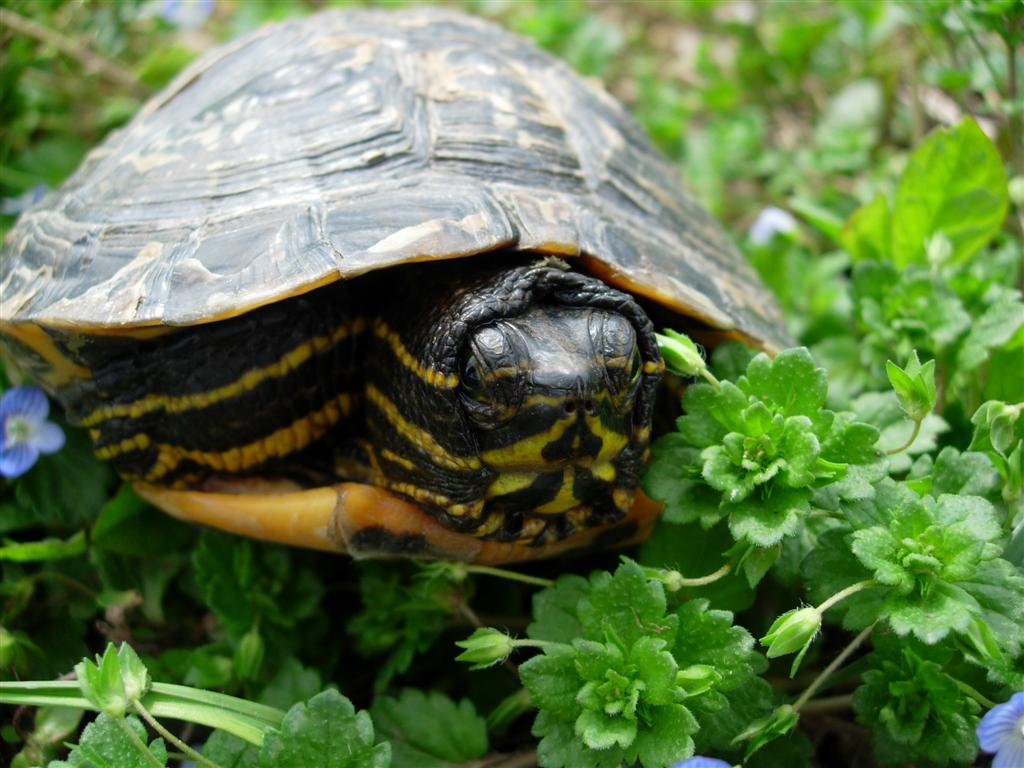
(537,403)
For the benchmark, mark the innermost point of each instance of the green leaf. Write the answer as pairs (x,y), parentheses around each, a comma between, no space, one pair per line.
(131,526)
(867,234)
(105,744)
(403,614)
(429,730)
(915,711)
(626,605)
(554,610)
(954,183)
(325,732)
(227,751)
(66,489)
(553,682)
(790,381)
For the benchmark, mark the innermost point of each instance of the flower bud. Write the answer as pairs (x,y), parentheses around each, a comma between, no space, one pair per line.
(697,679)
(100,682)
(134,675)
(249,655)
(792,631)
(485,647)
(681,355)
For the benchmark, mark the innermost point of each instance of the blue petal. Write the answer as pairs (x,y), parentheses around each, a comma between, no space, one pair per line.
(1011,755)
(27,402)
(47,438)
(1000,723)
(698,761)
(17,460)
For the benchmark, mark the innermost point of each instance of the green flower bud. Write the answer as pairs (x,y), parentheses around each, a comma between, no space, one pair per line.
(249,655)
(101,683)
(134,675)
(792,631)
(697,679)
(681,355)
(485,648)
(979,636)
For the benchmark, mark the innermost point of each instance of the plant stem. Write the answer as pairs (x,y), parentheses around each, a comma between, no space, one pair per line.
(910,441)
(829,703)
(700,581)
(170,737)
(844,593)
(511,575)
(832,667)
(986,703)
(709,377)
(541,644)
(136,741)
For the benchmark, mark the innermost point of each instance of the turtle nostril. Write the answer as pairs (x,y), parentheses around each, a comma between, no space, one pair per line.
(588,406)
(569,406)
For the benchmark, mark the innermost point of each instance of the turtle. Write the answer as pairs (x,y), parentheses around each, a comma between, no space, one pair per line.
(378,282)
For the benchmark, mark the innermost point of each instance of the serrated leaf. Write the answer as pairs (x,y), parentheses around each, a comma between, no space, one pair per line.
(554,610)
(325,732)
(429,730)
(765,521)
(790,381)
(104,744)
(229,751)
(628,605)
(914,710)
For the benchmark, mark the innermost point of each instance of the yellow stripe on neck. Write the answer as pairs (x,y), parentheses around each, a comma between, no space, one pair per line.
(431,376)
(244,383)
(417,436)
(293,437)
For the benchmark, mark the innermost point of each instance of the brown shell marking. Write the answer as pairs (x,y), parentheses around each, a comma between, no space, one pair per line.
(346,142)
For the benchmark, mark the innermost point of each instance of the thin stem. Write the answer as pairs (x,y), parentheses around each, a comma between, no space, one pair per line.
(700,581)
(541,644)
(73,48)
(511,575)
(836,663)
(986,703)
(829,704)
(910,441)
(159,728)
(845,593)
(135,740)
(709,377)
(982,52)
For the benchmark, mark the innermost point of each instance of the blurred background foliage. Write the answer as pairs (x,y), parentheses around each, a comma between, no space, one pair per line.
(809,107)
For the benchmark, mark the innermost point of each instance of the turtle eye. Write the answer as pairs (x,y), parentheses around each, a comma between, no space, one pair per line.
(490,382)
(472,379)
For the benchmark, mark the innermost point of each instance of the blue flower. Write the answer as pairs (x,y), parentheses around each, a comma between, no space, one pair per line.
(186,14)
(1001,731)
(769,223)
(24,430)
(698,761)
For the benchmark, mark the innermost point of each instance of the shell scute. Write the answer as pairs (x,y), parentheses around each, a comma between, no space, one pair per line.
(327,147)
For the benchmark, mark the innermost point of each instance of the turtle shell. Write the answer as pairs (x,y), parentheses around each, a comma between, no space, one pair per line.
(327,147)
